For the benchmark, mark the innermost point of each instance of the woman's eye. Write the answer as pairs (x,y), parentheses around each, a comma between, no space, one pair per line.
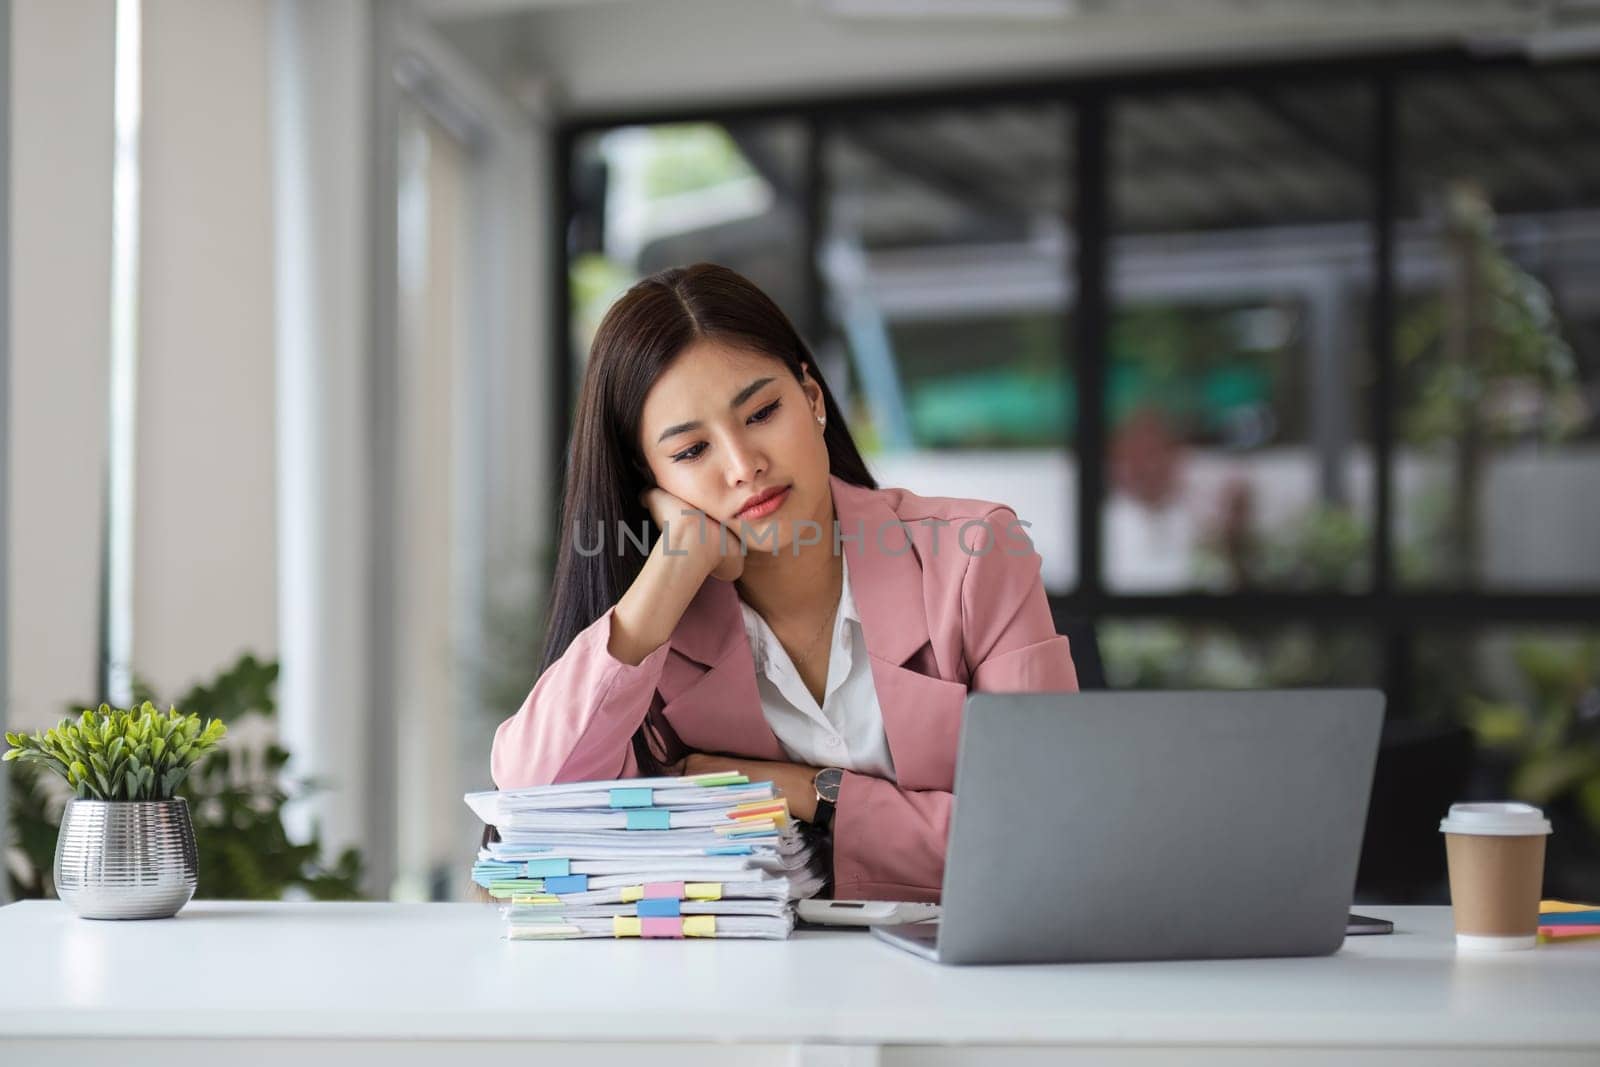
(693,452)
(689,453)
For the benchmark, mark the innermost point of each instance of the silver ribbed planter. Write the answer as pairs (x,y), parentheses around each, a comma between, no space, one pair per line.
(126,859)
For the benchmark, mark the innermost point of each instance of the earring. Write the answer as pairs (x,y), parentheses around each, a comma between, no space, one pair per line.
(822,420)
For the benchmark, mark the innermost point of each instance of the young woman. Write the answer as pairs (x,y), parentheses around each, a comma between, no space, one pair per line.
(790,619)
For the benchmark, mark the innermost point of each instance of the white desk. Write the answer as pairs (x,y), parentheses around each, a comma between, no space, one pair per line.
(402,984)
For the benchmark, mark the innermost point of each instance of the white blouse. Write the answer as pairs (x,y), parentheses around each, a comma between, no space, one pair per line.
(847,730)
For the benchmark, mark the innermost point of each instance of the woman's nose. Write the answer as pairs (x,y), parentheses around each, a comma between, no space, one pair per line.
(745,463)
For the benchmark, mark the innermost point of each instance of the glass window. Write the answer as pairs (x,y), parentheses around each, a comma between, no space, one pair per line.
(1177,654)
(649,197)
(1497,331)
(1240,274)
(943,265)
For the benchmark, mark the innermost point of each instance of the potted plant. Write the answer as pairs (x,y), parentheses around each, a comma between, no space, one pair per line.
(126,847)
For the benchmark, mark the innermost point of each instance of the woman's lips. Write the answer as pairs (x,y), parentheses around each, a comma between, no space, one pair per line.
(765,507)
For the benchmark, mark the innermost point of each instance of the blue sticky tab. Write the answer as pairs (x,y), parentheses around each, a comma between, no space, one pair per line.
(632,798)
(549,868)
(1570,918)
(649,819)
(730,850)
(572,883)
(659,909)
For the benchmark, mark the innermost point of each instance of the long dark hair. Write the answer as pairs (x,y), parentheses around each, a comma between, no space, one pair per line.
(639,338)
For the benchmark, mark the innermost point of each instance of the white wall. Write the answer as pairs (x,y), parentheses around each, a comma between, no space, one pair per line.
(321,151)
(61,124)
(256,384)
(204,495)
(205,538)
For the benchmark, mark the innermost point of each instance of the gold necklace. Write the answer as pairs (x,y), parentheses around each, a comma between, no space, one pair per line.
(811,645)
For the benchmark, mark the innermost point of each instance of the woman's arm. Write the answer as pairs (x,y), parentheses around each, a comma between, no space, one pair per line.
(889,842)
(795,781)
(578,722)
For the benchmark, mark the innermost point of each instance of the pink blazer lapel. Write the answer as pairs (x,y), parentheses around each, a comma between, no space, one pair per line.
(710,694)
(921,712)
(712,702)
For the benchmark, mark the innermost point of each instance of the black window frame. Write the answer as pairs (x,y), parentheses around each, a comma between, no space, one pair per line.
(1393,613)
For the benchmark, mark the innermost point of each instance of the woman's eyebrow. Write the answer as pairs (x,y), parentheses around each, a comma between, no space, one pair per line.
(738,398)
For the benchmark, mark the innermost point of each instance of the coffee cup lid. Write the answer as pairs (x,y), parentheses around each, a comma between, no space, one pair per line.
(1498,820)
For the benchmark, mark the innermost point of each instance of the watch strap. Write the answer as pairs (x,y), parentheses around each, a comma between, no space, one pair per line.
(823,819)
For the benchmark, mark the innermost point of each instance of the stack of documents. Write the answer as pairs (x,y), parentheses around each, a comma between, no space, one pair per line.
(714,855)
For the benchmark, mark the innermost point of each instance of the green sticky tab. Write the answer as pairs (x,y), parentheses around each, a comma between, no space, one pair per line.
(632,798)
(721,779)
(649,819)
(549,868)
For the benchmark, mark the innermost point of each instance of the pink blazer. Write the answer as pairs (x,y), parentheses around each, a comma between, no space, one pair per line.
(939,621)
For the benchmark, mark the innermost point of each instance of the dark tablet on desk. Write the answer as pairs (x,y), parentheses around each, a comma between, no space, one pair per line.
(1366,924)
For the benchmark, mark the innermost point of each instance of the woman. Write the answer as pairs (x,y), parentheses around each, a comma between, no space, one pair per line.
(790,619)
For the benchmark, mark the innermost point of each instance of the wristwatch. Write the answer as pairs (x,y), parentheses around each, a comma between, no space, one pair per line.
(826,782)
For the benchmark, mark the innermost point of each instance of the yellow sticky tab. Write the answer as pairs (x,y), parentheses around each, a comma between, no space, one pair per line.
(703,891)
(777,810)
(535,899)
(758,805)
(624,926)
(1557,907)
(631,893)
(699,926)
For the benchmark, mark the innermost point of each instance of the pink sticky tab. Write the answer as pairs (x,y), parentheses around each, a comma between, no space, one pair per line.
(661,928)
(663,890)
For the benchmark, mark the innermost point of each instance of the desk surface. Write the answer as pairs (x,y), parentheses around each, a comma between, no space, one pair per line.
(443,972)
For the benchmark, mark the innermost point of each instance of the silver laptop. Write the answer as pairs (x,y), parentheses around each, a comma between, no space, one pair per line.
(1153,826)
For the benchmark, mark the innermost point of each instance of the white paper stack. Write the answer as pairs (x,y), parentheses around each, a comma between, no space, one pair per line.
(713,855)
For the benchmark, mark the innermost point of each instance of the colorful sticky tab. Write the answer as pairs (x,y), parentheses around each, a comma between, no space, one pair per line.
(699,926)
(742,832)
(730,850)
(659,890)
(727,778)
(649,819)
(703,891)
(534,898)
(1570,919)
(756,807)
(661,928)
(1558,933)
(624,926)
(631,893)
(572,883)
(1556,907)
(632,798)
(549,868)
(659,909)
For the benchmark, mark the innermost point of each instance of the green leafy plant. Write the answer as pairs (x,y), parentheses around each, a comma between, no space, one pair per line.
(112,754)
(237,798)
(1553,738)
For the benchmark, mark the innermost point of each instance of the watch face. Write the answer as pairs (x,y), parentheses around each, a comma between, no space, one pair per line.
(827,782)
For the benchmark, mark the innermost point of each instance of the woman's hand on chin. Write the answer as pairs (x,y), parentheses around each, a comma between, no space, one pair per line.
(692,534)
(793,780)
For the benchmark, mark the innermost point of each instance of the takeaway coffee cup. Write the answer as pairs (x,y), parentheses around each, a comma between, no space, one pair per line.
(1496,858)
